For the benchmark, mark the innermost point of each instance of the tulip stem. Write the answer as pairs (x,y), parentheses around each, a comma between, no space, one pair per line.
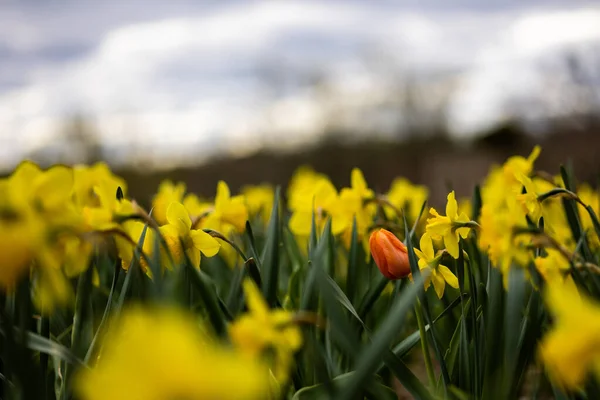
(425,345)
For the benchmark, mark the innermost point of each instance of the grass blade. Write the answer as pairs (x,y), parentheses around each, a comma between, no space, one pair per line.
(370,356)
(270,260)
(352,275)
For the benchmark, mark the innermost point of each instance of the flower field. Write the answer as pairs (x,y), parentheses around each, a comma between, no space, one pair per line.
(303,292)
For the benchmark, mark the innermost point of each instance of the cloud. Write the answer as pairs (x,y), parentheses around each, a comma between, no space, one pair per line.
(187,79)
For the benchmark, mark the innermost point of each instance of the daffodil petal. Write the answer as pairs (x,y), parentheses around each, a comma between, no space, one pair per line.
(452,207)
(438,284)
(208,245)
(178,216)
(451,243)
(449,277)
(427,246)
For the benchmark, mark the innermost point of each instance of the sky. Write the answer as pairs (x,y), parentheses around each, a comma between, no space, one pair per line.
(178,81)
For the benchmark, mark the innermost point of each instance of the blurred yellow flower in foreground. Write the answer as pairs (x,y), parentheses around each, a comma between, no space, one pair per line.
(262,330)
(160,353)
(572,348)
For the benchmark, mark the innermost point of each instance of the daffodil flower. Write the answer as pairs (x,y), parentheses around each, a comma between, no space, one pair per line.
(168,192)
(229,213)
(450,227)
(162,353)
(440,274)
(570,350)
(259,200)
(261,329)
(181,238)
(404,195)
(322,201)
(529,200)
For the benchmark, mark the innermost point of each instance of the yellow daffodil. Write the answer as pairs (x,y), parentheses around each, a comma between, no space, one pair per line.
(323,201)
(156,354)
(229,213)
(529,199)
(404,195)
(497,236)
(105,215)
(302,185)
(518,165)
(133,231)
(571,350)
(20,236)
(465,207)
(440,275)
(168,192)
(502,179)
(86,178)
(553,266)
(262,329)
(448,227)
(181,238)
(353,204)
(259,200)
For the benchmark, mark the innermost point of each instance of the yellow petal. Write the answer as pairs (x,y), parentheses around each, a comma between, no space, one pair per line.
(222,197)
(452,207)
(449,277)
(194,256)
(208,245)
(427,246)
(54,187)
(256,303)
(451,243)
(300,223)
(438,284)
(178,216)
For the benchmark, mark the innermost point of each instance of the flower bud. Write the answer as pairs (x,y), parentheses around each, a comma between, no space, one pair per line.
(389,254)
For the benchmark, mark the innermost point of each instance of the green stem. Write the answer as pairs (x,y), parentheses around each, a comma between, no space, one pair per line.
(425,345)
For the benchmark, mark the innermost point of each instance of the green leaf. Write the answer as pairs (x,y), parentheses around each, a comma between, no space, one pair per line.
(207,291)
(44,345)
(309,299)
(515,307)
(134,265)
(494,330)
(236,294)
(252,243)
(339,326)
(351,277)
(408,379)
(594,218)
(371,355)
(374,389)
(572,214)
(464,359)
(372,295)
(402,348)
(270,260)
(83,330)
(476,203)
(113,286)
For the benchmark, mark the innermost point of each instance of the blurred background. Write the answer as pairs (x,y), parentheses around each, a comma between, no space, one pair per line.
(243,91)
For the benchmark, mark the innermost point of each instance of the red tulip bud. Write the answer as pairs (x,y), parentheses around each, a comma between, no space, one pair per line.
(389,254)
